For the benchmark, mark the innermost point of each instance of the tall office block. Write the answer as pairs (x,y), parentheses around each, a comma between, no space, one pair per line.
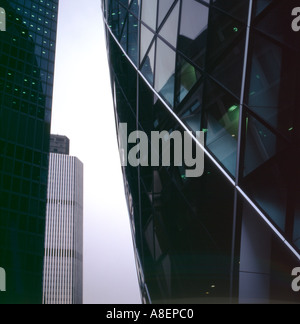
(27,52)
(63,268)
(59,144)
(227,68)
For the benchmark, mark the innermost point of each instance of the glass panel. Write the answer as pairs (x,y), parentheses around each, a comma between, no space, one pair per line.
(165,71)
(116,19)
(125,73)
(148,66)
(146,38)
(238,9)
(226,50)
(124,2)
(193,31)
(260,5)
(187,76)
(149,13)
(276,22)
(271,84)
(264,263)
(124,37)
(164,7)
(170,27)
(191,112)
(221,124)
(266,162)
(187,257)
(133,39)
(135,7)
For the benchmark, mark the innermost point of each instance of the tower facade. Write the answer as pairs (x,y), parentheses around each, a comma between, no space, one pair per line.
(27,53)
(228,69)
(63,264)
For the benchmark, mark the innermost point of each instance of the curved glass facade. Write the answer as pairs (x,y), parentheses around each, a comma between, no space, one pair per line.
(229,69)
(27,52)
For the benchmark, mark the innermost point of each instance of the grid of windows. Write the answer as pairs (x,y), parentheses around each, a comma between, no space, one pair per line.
(228,68)
(27,52)
(63,269)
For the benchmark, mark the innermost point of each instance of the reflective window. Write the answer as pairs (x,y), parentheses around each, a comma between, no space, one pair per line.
(146,39)
(226,51)
(260,5)
(133,39)
(194,54)
(191,110)
(265,168)
(276,21)
(271,83)
(124,36)
(125,74)
(264,264)
(148,66)
(165,71)
(193,31)
(221,123)
(164,7)
(170,27)
(187,76)
(117,19)
(238,9)
(149,13)
(179,231)
(135,7)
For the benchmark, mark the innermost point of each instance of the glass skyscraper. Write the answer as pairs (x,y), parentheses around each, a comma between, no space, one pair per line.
(27,52)
(228,68)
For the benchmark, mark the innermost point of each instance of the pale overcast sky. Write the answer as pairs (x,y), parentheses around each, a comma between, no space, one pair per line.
(83,111)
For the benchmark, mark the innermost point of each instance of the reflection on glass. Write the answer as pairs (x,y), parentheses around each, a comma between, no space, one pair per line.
(265,169)
(124,36)
(149,11)
(276,22)
(226,50)
(260,6)
(191,111)
(222,113)
(165,71)
(238,9)
(133,38)
(187,76)
(170,27)
(146,38)
(271,82)
(164,7)
(148,66)
(117,18)
(193,31)
(135,6)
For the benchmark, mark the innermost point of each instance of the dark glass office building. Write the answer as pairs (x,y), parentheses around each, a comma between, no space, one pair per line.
(27,52)
(228,68)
